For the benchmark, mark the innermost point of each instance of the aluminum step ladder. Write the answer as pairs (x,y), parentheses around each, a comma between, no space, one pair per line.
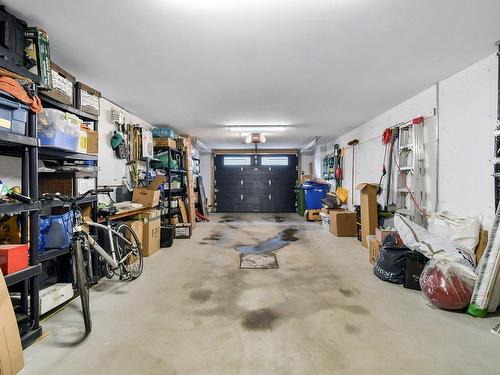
(411,171)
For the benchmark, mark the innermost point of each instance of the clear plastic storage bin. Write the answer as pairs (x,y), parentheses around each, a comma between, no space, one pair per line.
(58,129)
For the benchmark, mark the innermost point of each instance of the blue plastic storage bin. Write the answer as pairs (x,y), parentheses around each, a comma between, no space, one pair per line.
(163,133)
(59,140)
(13,115)
(314,193)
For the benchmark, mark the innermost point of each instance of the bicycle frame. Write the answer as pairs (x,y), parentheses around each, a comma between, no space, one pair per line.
(111,260)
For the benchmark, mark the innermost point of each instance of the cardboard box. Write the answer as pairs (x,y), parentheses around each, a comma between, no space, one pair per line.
(10,230)
(369,212)
(381,234)
(327,210)
(151,233)
(165,142)
(37,55)
(138,227)
(146,197)
(343,223)
(13,258)
(92,142)
(11,352)
(373,249)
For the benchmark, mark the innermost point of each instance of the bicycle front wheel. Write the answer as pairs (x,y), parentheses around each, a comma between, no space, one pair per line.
(81,280)
(130,249)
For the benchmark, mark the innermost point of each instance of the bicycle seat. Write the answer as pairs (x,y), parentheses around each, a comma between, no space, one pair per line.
(108,211)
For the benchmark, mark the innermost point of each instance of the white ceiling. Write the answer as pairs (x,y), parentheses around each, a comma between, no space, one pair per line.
(322,66)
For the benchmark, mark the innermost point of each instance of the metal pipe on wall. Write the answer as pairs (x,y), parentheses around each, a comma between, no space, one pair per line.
(436,202)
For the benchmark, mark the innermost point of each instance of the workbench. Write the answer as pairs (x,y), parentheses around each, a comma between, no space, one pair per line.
(124,213)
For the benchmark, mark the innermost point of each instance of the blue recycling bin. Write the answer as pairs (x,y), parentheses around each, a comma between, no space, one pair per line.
(314,193)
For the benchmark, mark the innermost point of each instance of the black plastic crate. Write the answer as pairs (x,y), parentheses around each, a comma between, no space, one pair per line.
(415,263)
(11,37)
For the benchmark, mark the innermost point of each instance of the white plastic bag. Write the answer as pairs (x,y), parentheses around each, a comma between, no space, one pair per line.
(464,231)
(419,239)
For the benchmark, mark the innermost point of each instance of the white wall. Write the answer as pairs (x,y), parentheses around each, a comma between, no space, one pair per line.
(10,171)
(305,159)
(467,103)
(468,112)
(111,169)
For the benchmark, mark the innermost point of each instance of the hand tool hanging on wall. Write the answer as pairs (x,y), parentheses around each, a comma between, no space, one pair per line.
(390,160)
(353,143)
(386,140)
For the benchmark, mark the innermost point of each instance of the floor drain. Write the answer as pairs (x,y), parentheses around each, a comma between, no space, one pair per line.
(258,261)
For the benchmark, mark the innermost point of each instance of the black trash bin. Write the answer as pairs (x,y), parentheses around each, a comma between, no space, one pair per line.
(166,236)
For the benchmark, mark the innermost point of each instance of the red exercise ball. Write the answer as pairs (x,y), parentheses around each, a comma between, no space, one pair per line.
(444,288)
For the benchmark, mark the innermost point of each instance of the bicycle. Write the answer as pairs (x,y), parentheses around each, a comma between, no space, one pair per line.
(124,258)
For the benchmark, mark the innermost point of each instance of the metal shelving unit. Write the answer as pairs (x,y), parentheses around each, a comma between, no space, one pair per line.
(26,280)
(53,153)
(52,103)
(168,193)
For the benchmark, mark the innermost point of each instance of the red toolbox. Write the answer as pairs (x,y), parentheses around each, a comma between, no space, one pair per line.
(13,258)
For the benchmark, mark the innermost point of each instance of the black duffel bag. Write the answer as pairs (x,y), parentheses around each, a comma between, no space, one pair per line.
(390,264)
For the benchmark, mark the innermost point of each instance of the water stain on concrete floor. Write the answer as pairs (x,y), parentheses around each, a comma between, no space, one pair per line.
(350,328)
(260,320)
(346,292)
(356,309)
(201,295)
(228,219)
(271,244)
(214,236)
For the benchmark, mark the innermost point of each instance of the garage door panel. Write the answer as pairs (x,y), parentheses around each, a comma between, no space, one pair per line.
(259,195)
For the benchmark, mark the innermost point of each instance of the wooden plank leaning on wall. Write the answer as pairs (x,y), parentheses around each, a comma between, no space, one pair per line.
(188,162)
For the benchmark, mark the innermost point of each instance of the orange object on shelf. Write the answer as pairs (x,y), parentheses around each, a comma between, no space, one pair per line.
(13,258)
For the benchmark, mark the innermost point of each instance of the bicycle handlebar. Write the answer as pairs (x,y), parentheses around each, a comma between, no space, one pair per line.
(75,199)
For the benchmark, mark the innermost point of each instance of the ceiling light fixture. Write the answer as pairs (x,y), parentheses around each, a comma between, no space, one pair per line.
(310,144)
(203,146)
(256,129)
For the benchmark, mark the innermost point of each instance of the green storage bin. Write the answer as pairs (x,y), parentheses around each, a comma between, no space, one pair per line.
(301,200)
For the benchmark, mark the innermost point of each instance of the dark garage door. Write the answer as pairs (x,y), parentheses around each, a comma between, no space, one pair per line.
(255,183)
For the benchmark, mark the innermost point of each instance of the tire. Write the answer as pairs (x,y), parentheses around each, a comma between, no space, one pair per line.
(81,280)
(135,263)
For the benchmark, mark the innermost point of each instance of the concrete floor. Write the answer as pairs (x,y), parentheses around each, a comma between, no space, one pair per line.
(193,311)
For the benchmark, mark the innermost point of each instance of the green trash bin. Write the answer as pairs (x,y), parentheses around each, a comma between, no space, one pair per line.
(301,200)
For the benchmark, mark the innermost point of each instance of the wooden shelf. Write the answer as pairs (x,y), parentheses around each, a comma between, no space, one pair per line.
(125,213)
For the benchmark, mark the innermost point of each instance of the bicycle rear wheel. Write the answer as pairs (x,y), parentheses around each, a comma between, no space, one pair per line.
(133,250)
(81,280)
